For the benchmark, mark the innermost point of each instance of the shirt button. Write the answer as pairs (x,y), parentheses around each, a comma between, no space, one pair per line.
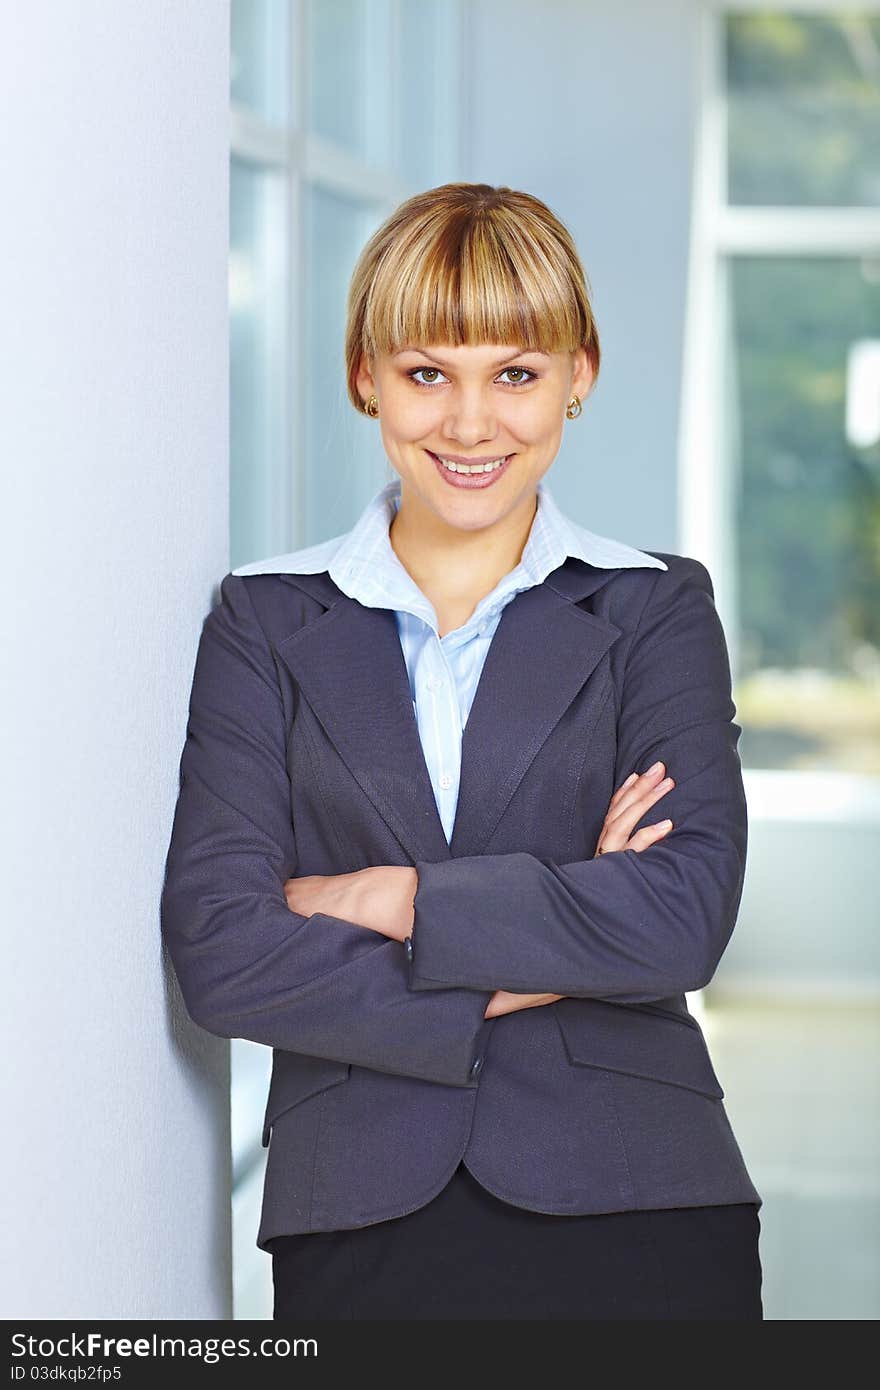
(445,781)
(435,682)
(475,1066)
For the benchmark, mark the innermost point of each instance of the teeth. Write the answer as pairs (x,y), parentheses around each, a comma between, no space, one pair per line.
(471,468)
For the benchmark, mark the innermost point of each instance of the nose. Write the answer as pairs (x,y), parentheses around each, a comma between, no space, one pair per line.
(471,418)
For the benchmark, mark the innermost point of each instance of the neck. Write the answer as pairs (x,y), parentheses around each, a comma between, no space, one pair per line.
(452,565)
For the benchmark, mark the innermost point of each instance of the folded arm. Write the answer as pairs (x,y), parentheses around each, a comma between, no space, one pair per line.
(248,967)
(629,926)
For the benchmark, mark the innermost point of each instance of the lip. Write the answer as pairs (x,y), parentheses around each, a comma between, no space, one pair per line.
(469,481)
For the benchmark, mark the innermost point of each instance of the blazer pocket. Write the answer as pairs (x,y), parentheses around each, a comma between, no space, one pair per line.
(632,1039)
(295,1077)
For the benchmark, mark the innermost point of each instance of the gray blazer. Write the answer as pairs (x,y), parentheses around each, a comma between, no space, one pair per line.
(302,756)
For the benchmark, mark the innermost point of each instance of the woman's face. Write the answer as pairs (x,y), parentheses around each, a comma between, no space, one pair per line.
(472,404)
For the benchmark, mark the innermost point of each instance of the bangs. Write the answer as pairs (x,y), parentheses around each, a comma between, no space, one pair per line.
(472,282)
(469,264)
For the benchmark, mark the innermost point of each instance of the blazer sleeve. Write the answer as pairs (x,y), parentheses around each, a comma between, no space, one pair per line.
(248,967)
(631,926)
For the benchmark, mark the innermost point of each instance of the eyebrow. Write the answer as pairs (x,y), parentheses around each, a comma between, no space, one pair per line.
(520,352)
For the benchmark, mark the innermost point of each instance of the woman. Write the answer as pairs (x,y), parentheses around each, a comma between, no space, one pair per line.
(415,847)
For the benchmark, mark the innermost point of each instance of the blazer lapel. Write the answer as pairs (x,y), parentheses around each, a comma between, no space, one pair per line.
(350,667)
(544,650)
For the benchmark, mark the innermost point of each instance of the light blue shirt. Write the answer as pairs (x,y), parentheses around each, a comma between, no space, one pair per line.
(444,671)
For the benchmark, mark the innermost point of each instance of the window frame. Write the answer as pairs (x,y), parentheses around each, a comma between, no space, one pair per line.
(304,160)
(307,160)
(719,232)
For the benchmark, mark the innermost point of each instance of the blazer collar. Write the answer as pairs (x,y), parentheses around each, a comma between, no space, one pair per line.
(349,665)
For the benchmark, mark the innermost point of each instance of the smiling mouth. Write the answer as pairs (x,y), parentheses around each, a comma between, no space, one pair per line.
(473,469)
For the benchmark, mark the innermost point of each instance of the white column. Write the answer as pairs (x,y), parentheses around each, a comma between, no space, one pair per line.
(114,507)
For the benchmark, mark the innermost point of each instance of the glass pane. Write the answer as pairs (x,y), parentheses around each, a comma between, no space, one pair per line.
(418,75)
(807,371)
(260,38)
(250,1074)
(344,454)
(803,109)
(429,72)
(251,1070)
(259,525)
(337,96)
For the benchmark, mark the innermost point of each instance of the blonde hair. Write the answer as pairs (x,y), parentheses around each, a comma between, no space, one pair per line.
(468,263)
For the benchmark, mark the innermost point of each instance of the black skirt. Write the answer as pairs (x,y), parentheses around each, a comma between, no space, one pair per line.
(467,1254)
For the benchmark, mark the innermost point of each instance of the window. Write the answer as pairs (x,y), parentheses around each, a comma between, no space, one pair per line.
(781,465)
(780,495)
(337,115)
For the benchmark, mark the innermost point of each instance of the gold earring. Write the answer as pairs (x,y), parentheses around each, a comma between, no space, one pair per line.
(372,407)
(574,413)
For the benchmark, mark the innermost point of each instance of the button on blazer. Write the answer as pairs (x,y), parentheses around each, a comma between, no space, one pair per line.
(302,756)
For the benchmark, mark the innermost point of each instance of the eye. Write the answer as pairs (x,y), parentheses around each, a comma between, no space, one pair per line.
(530,374)
(527,375)
(414,374)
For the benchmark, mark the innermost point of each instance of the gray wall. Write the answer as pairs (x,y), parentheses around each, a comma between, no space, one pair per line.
(590,107)
(114,448)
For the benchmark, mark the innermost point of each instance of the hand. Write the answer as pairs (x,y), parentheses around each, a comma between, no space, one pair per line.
(505,1002)
(626,808)
(379,897)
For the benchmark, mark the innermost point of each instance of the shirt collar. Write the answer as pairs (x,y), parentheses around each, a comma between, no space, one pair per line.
(363,564)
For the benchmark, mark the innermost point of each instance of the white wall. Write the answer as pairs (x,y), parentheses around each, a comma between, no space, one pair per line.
(114,449)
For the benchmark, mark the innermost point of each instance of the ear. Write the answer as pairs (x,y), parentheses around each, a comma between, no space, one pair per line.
(583,374)
(364,380)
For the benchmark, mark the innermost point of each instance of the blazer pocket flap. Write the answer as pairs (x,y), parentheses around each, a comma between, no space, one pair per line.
(620,1037)
(295,1077)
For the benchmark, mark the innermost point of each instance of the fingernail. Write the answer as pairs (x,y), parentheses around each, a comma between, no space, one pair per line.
(631,778)
(666,822)
(655,768)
